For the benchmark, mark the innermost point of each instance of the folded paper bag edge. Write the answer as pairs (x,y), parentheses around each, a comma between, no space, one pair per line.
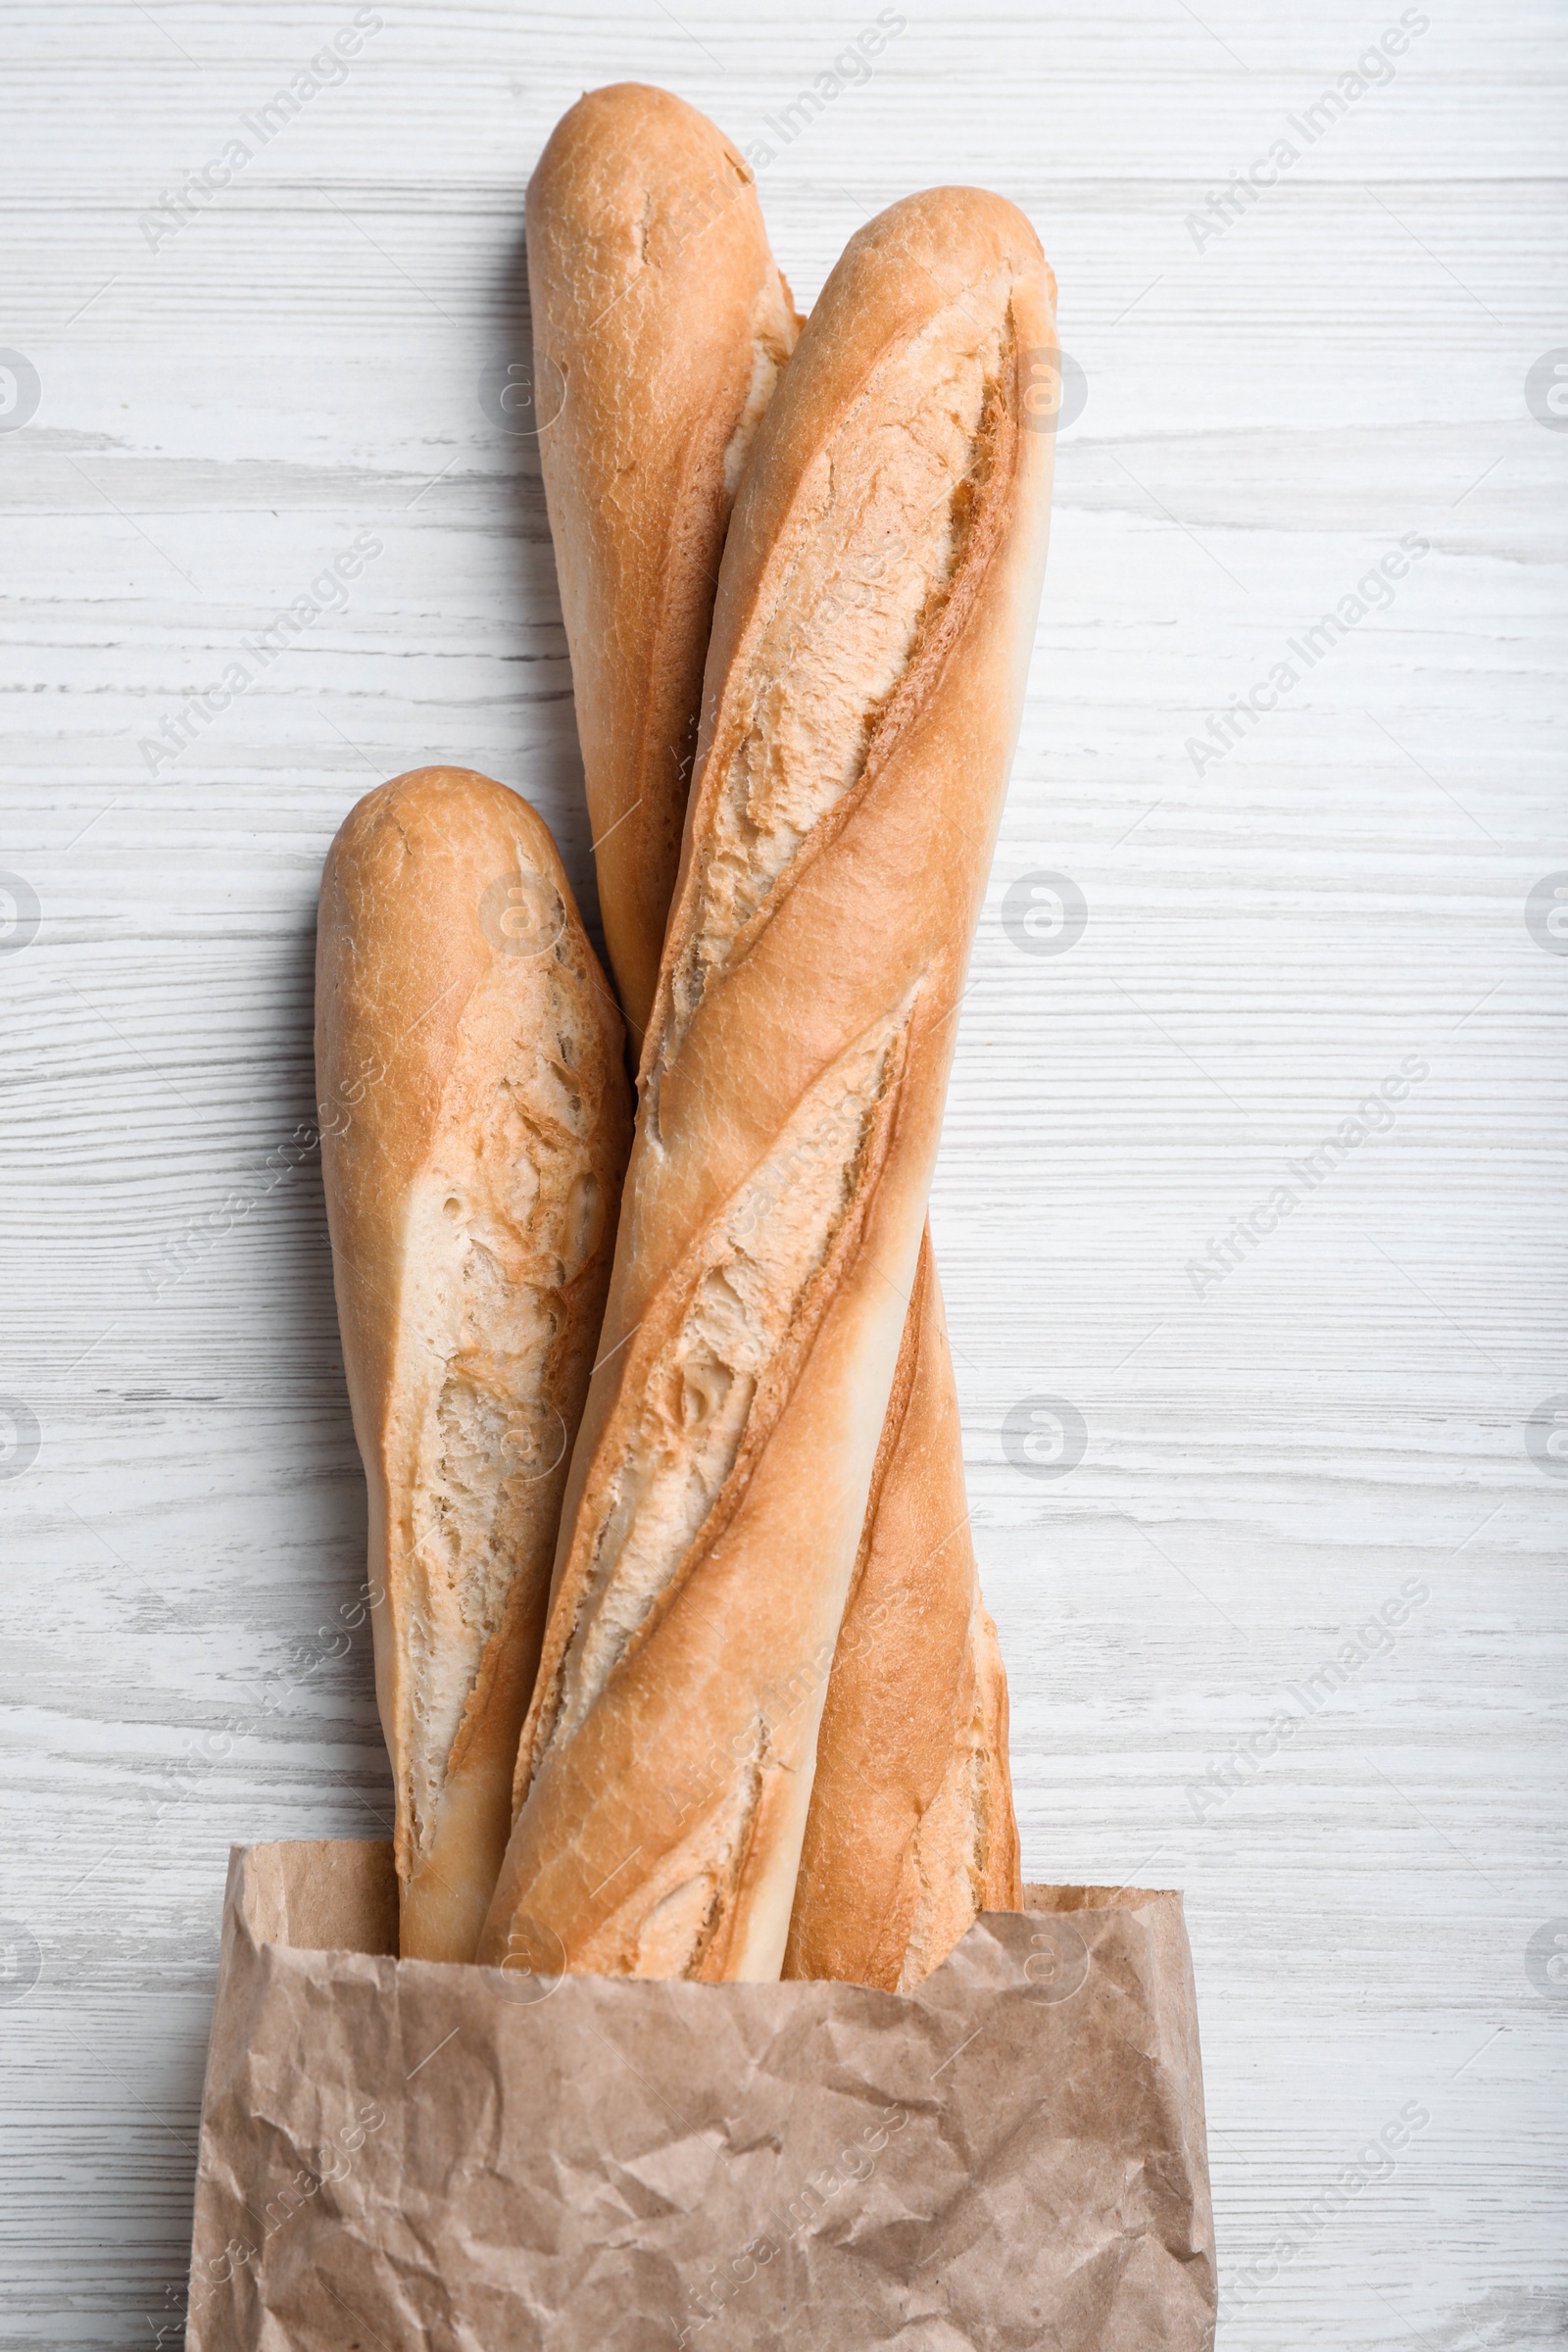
(309,1967)
(339,1894)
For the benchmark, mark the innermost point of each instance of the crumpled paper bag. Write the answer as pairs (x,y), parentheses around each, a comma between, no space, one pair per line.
(405,2155)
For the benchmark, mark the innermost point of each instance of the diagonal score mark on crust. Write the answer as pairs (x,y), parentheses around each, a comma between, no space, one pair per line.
(500,1222)
(670,1919)
(946,1863)
(772,340)
(867,569)
(751,1294)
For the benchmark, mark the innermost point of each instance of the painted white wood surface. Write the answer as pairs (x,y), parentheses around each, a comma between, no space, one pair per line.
(221,411)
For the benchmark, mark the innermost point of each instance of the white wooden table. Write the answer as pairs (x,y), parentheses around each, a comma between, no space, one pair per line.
(1271,1453)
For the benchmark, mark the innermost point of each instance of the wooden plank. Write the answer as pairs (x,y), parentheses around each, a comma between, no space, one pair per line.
(1274,1448)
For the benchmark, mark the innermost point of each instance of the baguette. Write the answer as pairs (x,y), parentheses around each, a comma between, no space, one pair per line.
(899,1730)
(850,778)
(910,1830)
(475,1124)
(657,303)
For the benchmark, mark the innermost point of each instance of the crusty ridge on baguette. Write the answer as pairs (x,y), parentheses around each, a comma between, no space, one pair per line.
(865,577)
(475,1128)
(910,1830)
(498,1227)
(890,503)
(965,1850)
(640,210)
(744,1312)
(829,886)
(912,1814)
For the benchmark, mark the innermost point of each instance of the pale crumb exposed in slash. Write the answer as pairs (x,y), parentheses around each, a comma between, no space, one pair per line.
(948,1851)
(772,339)
(775,1235)
(861,580)
(669,1919)
(862,577)
(505,1213)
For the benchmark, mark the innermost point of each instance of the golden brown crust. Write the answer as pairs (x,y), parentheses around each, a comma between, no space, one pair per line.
(1001,1879)
(842,1922)
(910,1828)
(475,1123)
(659,319)
(794,1074)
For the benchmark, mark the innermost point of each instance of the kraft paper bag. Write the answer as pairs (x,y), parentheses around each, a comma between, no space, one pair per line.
(402,2155)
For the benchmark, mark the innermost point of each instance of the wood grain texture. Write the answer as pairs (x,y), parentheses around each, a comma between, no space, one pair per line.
(1266,940)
